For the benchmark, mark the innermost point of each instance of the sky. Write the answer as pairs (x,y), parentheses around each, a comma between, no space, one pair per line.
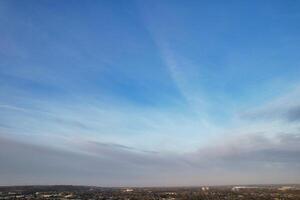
(149,93)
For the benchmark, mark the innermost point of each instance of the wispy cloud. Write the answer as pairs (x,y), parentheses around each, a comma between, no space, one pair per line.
(283,108)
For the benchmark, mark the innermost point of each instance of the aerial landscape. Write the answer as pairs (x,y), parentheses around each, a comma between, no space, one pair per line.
(150,99)
(264,192)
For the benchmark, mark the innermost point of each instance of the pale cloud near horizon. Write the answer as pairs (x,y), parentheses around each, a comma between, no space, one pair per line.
(272,160)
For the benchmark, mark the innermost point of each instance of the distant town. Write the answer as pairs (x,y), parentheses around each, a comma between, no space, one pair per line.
(263,192)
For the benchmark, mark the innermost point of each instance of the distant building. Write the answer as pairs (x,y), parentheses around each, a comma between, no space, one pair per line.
(284,188)
(128,190)
(205,188)
(69,196)
(237,188)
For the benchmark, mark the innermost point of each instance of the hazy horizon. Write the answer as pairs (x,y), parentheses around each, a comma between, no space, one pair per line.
(149,93)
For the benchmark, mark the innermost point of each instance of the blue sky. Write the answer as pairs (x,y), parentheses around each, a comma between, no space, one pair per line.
(165,78)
